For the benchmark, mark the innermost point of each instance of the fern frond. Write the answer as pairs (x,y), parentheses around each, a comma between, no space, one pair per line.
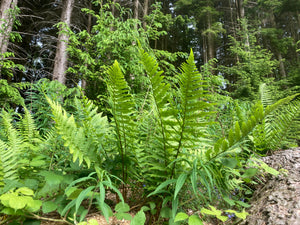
(83,139)
(265,95)
(10,148)
(162,123)
(27,128)
(122,106)
(237,134)
(194,108)
(278,129)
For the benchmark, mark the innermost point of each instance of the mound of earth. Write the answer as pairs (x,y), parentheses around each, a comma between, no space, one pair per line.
(278,200)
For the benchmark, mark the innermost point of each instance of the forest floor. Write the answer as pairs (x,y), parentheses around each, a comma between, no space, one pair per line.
(275,202)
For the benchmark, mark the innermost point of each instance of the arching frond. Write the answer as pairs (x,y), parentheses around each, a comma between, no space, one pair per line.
(83,139)
(124,116)
(9,149)
(265,95)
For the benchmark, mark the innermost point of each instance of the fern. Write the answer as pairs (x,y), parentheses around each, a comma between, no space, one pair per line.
(280,118)
(194,110)
(83,139)
(265,95)
(122,108)
(10,149)
(162,123)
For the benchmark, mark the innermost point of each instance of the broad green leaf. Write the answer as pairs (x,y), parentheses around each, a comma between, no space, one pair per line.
(195,220)
(83,213)
(37,163)
(122,207)
(25,191)
(52,178)
(83,195)
(122,215)
(181,216)
(106,211)
(229,162)
(139,219)
(34,205)
(241,215)
(19,202)
(179,183)
(166,212)
(49,206)
(250,172)
(161,186)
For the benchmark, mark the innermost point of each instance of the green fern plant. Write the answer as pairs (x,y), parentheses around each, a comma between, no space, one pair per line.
(168,144)
(123,123)
(20,147)
(84,137)
(10,149)
(279,125)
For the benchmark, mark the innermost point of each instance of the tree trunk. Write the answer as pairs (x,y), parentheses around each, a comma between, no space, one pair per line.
(88,29)
(61,57)
(6,23)
(136,12)
(278,53)
(146,7)
(210,39)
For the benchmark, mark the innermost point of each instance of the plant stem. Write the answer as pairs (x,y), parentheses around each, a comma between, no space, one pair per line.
(48,219)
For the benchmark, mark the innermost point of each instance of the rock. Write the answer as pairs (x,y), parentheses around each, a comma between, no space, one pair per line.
(277,202)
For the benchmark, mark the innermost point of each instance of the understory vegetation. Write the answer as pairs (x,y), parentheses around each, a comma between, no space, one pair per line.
(143,139)
(171,150)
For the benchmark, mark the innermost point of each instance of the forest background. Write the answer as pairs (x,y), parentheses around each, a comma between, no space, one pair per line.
(102,61)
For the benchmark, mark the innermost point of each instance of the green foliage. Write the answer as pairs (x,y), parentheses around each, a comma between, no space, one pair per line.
(280,126)
(111,38)
(84,138)
(164,148)
(18,201)
(36,99)
(9,93)
(122,109)
(254,64)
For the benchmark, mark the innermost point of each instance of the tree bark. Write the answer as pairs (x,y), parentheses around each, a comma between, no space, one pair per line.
(146,7)
(136,12)
(61,57)
(6,23)
(89,28)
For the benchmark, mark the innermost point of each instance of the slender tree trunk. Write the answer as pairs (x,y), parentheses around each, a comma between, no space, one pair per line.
(61,57)
(146,7)
(210,39)
(136,12)
(278,53)
(89,28)
(6,22)
(205,55)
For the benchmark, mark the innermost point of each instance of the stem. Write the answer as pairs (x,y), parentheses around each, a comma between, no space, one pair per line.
(48,219)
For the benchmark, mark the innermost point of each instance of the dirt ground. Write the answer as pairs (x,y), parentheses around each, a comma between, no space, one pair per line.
(277,202)
(100,219)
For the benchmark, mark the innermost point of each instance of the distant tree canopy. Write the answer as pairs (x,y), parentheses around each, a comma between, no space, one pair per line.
(249,41)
